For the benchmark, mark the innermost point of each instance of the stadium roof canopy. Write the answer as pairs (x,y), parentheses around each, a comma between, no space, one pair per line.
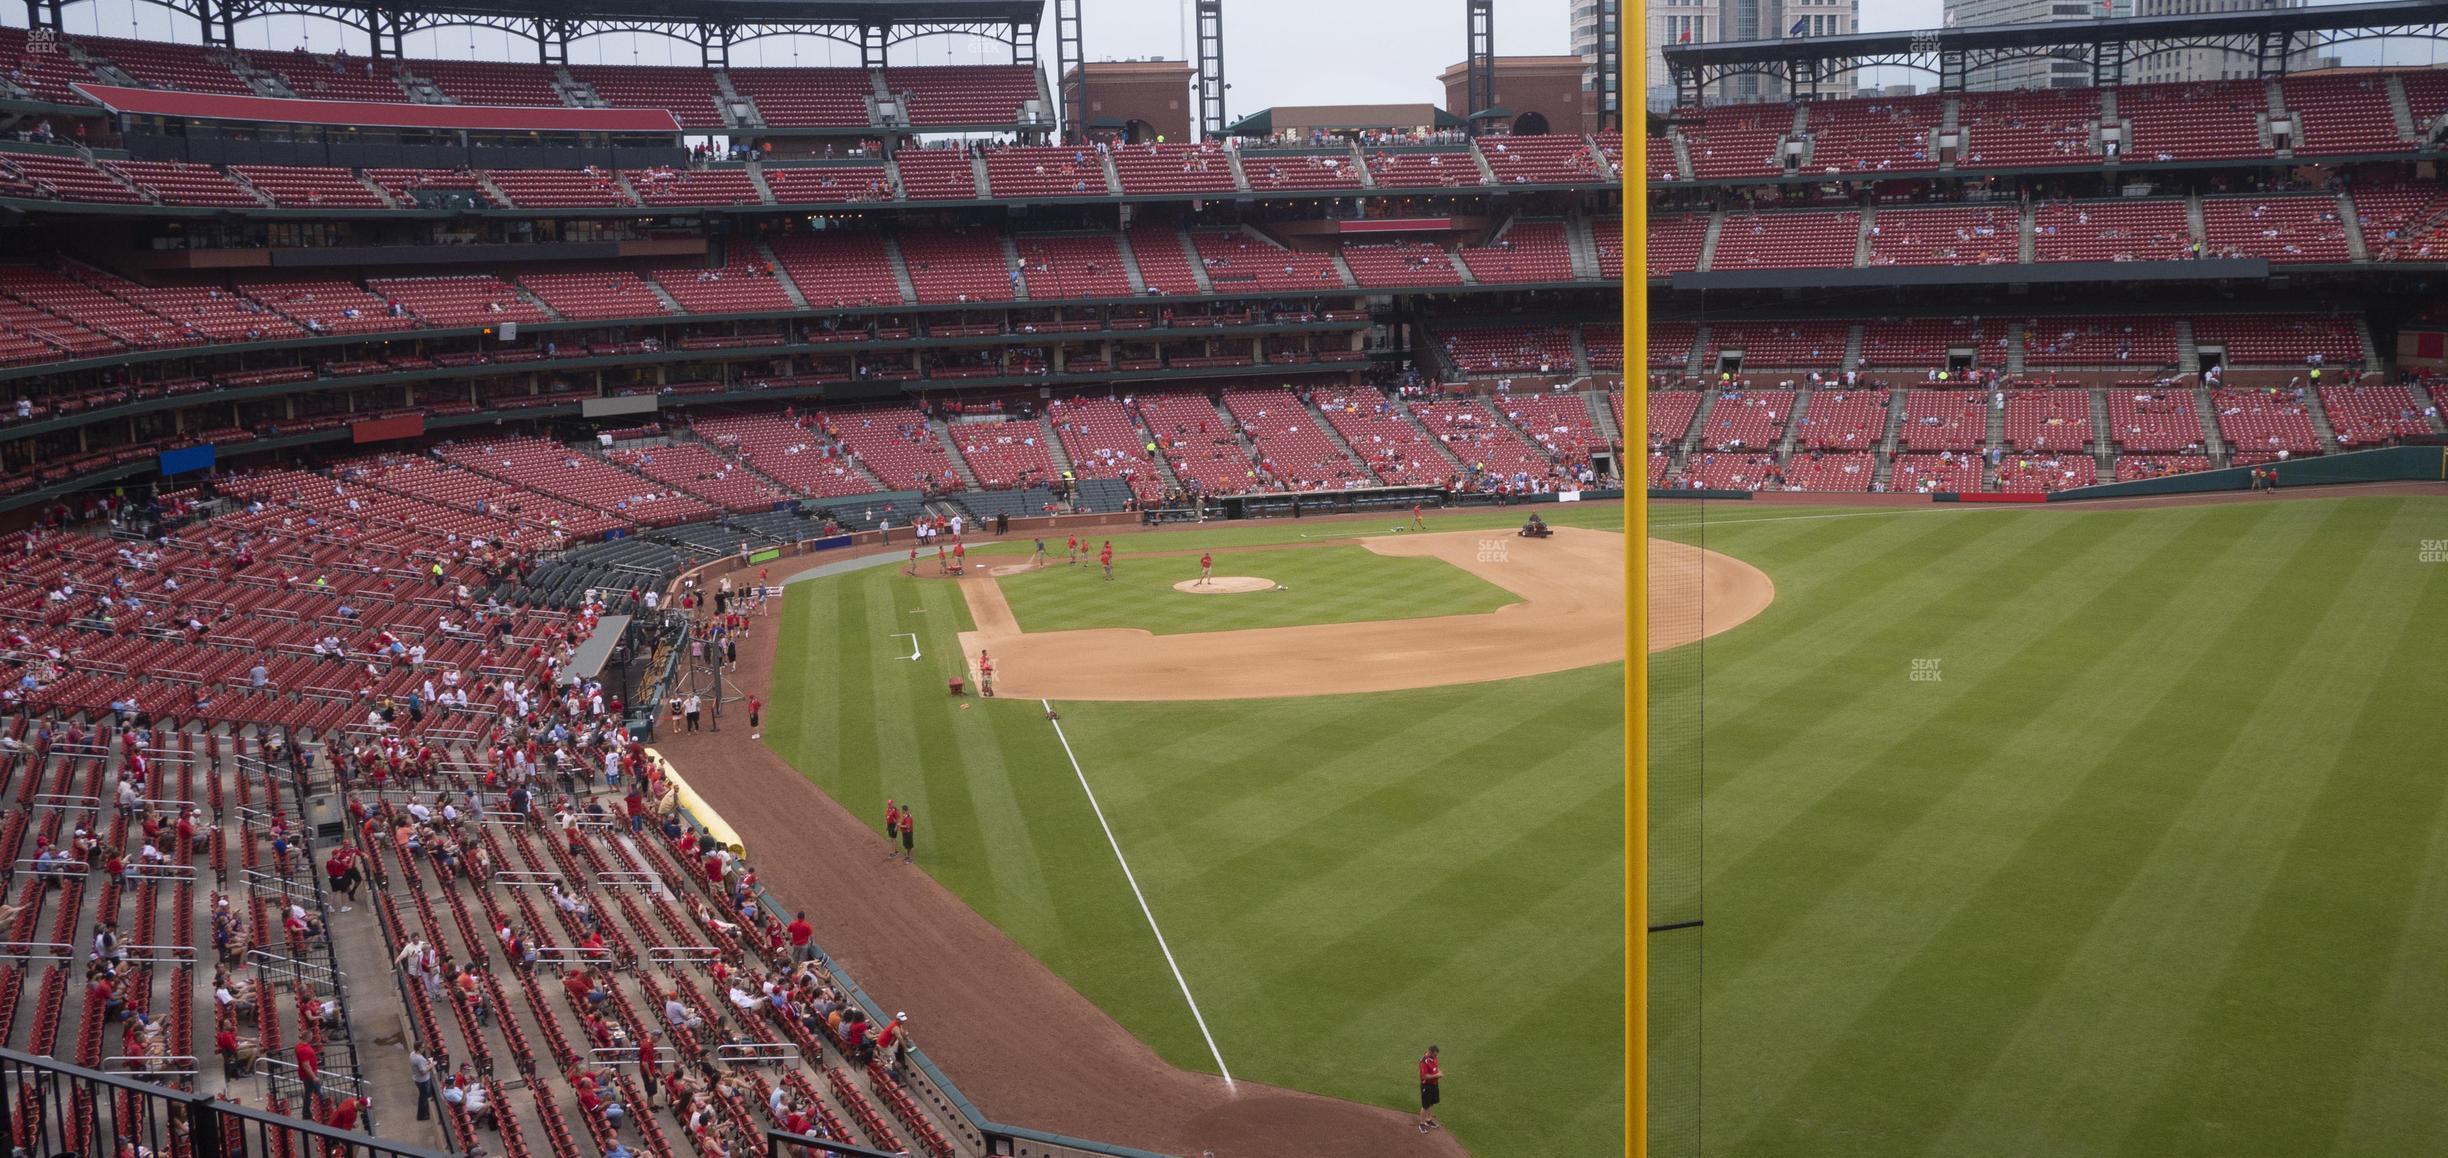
(2270,38)
(895,12)
(714,25)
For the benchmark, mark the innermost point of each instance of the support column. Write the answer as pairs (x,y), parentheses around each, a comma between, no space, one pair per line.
(1211,69)
(1610,66)
(1480,87)
(1070,96)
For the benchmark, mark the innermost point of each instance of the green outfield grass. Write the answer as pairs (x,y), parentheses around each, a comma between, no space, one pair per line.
(1338,583)
(1344,880)
(2154,866)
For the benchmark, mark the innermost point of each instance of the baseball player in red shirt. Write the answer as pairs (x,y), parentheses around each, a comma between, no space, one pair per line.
(1105,558)
(985,673)
(1206,567)
(1071,551)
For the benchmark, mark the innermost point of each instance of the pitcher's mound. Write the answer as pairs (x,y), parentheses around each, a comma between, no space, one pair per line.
(1225,585)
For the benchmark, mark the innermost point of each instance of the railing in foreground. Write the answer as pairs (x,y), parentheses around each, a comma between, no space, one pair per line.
(52,1108)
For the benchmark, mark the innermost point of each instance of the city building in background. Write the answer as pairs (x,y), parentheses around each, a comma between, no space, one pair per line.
(1589,21)
(1708,21)
(2197,64)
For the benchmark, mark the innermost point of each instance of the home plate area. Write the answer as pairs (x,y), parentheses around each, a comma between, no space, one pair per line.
(1225,585)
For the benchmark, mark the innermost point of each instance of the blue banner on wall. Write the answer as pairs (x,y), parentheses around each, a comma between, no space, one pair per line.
(193,458)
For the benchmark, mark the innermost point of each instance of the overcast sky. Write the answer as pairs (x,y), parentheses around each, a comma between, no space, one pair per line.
(1276,52)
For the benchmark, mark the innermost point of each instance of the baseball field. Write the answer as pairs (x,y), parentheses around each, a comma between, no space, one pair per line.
(2027,831)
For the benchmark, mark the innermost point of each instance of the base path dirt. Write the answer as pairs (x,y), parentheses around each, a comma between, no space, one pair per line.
(1571,615)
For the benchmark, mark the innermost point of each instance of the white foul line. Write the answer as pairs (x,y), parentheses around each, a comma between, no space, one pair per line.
(1134,884)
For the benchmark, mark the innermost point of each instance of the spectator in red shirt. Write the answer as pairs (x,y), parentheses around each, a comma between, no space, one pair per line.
(225,1043)
(344,1115)
(802,937)
(1431,1074)
(308,1075)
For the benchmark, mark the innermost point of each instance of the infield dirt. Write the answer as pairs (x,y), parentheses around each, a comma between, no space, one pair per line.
(1571,616)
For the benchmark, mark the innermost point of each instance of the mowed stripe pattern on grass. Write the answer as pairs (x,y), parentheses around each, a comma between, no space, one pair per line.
(1344,880)
(1001,818)
(2136,874)
(1350,879)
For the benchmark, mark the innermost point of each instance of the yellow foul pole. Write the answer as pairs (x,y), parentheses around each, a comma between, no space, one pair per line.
(1631,109)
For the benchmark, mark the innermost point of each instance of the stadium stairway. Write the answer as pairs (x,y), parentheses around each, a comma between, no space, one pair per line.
(1198,269)
(2024,224)
(2016,334)
(2371,349)
(951,446)
(1309,408)
(1455,260)
(1793,424)
(2424,397)
(2353,226)
(2319,414)
(1581,245)
(485,182)
(1232,160)
(2401,111)
(1606,170)
(2193,216)
(1487,172)
(900,267)
(529,297)
(1403,409)
(1682,156)
(1853,348)
(2209,423)
(1580,353)
(977,173)
(1011,261)
(1130,259)
(2188,358)
(1861,238)
(2103,432)
(1052,441)
(1343,270)
(1708,241)
(790,289)
(1693,358)
(664,296)
(1688,441)
(1602,418)
(756,180)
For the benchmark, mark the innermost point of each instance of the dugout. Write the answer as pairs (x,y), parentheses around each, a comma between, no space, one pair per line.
(1345,502)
